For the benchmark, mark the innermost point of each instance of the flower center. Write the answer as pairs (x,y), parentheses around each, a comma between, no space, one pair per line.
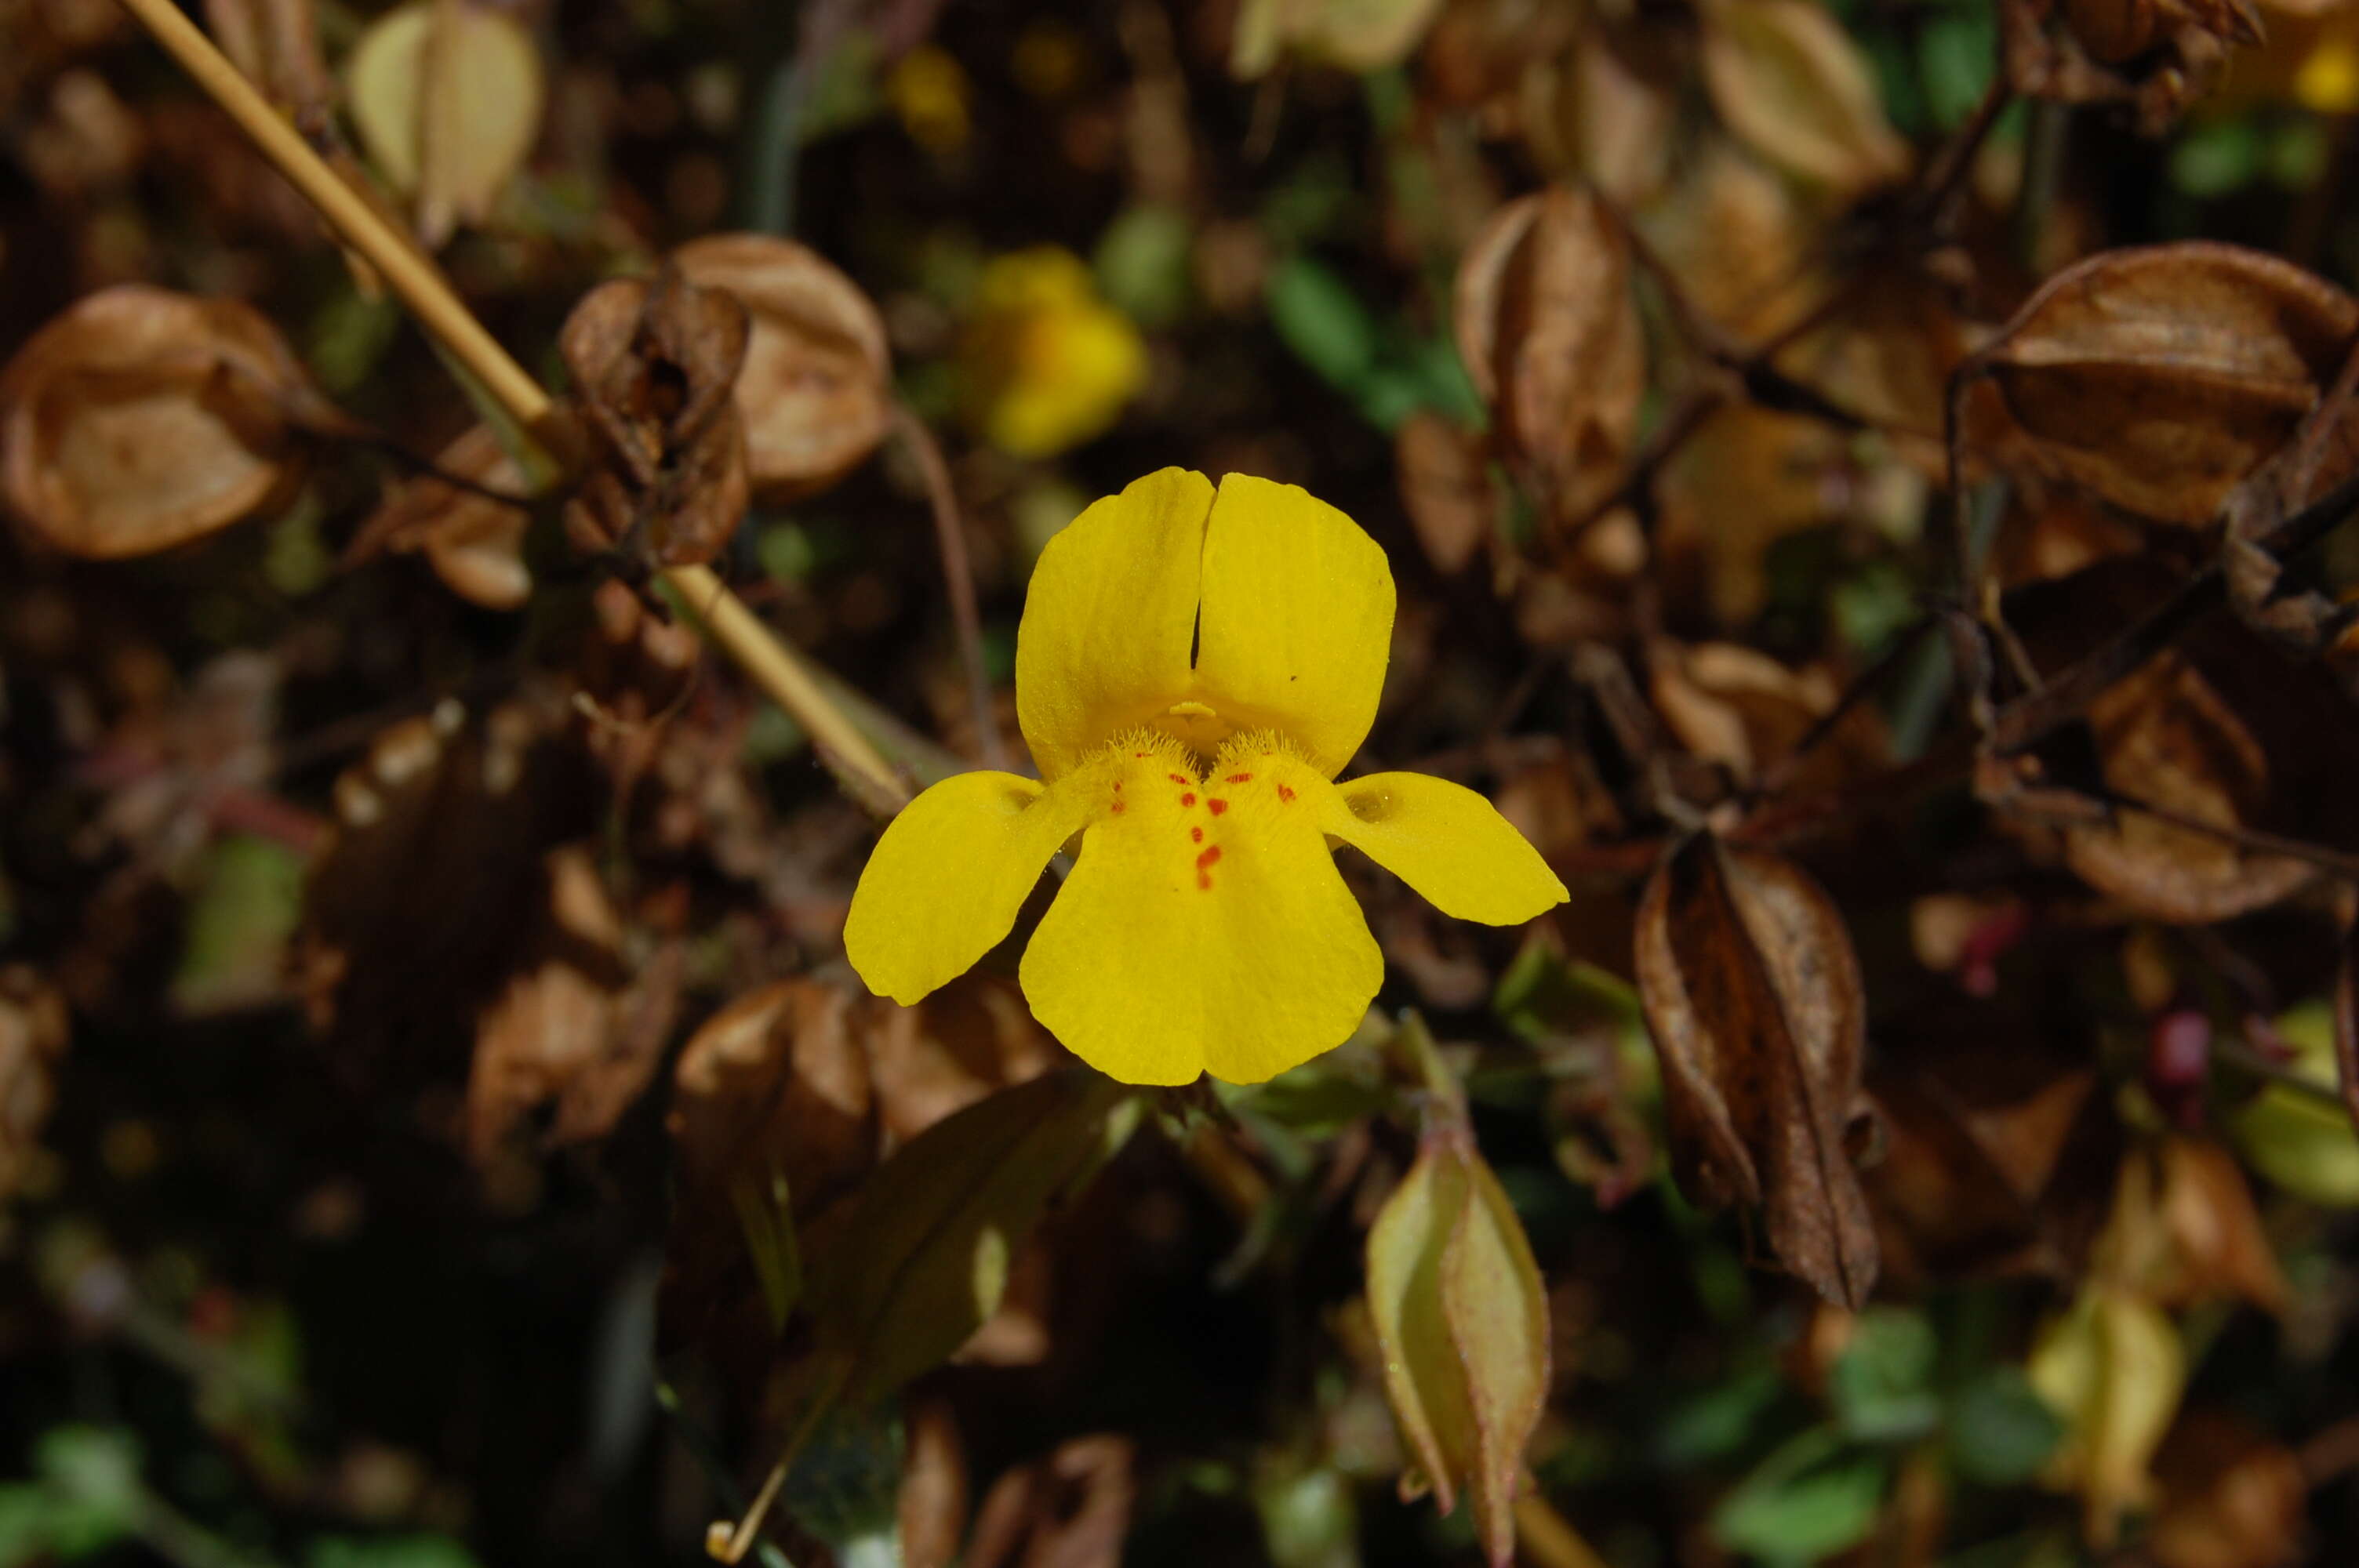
(1159,799)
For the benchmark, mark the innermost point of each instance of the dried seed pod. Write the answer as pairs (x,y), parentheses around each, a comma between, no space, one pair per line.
(474,543)
(2167,737)
(447,95)
(655,366)
(1752,994)
(1445,484)
(1549,333)
(1789,81)
(139,419)
(2158,376)
(816,392)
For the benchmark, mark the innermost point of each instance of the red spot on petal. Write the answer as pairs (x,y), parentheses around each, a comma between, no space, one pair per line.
(1205,880)
(1240,778)
(1118,786)
(1187,800)
(1119,806)
(1216,806)
(1196,835)
(1209,858)
(1285,794)
(1140,755)
(1177,778)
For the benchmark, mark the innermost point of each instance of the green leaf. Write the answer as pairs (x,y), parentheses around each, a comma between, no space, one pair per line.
(2000,1431)
(1815,1496)
(1881,1386)
(246,908)
(1141,264)
(388,1551)
(925,1257)
(1322,322)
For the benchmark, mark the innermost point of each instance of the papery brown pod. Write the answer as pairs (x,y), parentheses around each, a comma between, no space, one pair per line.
(2157,376)
(1446,486)
(474,544)
(2233,1497)
(2118,31)
(139,419)
(447,95)
(1549,332)
(655,368)
(816,393)
(2165,737)
(1752,995)
(1790,83)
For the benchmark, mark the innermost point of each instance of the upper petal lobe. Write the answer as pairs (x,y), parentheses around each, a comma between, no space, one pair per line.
(1110,617)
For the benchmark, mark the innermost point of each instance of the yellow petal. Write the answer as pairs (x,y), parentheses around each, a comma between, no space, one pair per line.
(1297,618)
(1107,622)
(1204,927)
(1448,843)
(948,876)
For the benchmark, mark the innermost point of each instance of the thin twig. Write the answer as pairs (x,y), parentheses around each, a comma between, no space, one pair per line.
(958,575)
(420,286)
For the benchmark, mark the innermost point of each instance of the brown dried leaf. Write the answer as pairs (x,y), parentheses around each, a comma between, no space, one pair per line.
(655,368)
(2165,737)
(1752,992)
(33,1029)
(815,393)
(576,1030)
(1445,484)
(1998,1159)
(1549,332)
(1071,1511)
(2184,1230)
(139,419)
(474,544)
(1461,1316)
(1790,83)
(932,1508)
(2158,376)
(2233,1497)
(416,917)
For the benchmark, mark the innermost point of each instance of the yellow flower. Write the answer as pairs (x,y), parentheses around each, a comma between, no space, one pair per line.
(928,91)
(1204,926)
(1050,363)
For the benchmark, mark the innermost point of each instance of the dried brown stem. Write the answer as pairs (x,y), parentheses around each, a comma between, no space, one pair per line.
(958,575)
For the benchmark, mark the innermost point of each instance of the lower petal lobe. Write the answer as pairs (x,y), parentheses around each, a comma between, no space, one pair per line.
(1447,842)
(948,876)
(1204,927)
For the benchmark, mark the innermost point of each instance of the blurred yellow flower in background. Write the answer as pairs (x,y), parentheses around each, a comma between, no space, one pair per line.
(931,95)
(1048,364)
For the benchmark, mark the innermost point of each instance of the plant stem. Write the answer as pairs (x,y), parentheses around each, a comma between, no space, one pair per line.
(420,286)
